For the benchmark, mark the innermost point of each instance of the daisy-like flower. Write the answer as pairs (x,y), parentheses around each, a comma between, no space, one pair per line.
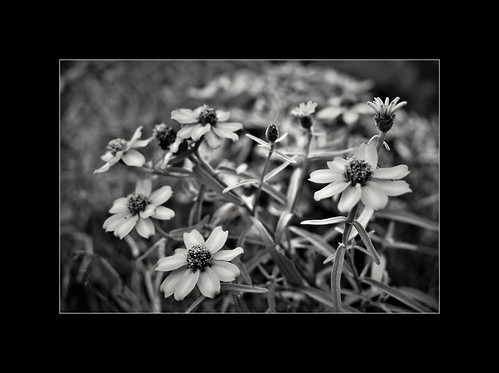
(208,122)
(137,209)
(303,113)
(120,149)
(201,262)
(346,107)
(358,178)
(385,112)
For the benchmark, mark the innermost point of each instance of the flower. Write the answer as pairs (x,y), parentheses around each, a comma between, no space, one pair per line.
(201,262)
(385,112)
(303,113)
(272,133)
(358,178)
(137,209)
(346,106)
(208,122)
(120,149)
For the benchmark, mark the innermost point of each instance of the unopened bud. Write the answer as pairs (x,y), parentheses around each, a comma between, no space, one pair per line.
(272,133)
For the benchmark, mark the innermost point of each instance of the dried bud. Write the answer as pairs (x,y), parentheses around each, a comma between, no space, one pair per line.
(272,133)
(165,135)
(384,122)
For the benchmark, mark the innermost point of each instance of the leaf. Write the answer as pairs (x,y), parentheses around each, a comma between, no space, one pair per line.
(276,170)
(420,297)
(179,232)
(243,288)
(196,303)
(286,266)
(215,184)
(323,247)
(409,218)
(367,240)
(330,258)
(328,155)
(396,294)
(240,183)
(293,188)
(283,156)
(239,303)
(282,224)
(336,277)
(335,220)
(256,139)
(318,295)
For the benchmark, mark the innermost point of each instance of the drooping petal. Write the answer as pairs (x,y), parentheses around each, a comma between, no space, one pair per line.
(186,131)
(217,239)
(163,213)
(161,195)
(225,134)
(126,227)
(394,188)
(171,262)
(120,205)
(222,116)
(228,255)
(133,158)
(171,281)
(325,176)
(397,172)
(212,140)
(144,187)
(349,198)
(209,283)
(111,222)
(184,116)
(225,271)
(193,238)
(331,189)
(186,284)
(149,211)
(145,227)
(350,117)
(330,112)
(229,126)
(107,157)
(199,130)
(135,137)
(373,196)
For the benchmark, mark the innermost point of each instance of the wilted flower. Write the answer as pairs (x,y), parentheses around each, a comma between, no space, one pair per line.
(137,209)
(358,178)
(201,262)
(385,112)
(120,149)
(303,113)
(346,106)
(208,122)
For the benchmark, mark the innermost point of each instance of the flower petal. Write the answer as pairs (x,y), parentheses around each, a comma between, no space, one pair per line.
(175,145)
(225,271)
(144,187)
(149,211)
(171,262)
(107,157)
(169,284)
(186,284)
(222,116)
(186,131)
(373,196)
(113,221)
(225,134)
(135,137)
(338,164)
(184,116)
(368,153)
(120,205)
(227,255)
(397,172)
(217,239)
(133,158)
(350,117)
(163,213)
(229,126)
(212,140)
(394,188)
(142,143)
(145,227)
(126,227)
(325,176)
(349,198)
(209,283)
(105,167)
(193,238)
(329,113)
(331,189)
(199,130)
(161,195)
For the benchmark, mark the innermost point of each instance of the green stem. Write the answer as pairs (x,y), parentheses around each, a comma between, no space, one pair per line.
(304,166)
(260,184)
(381,140)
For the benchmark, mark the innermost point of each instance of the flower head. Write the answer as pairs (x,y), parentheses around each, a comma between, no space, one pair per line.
(303,113)
(347,107)
(358,178)
(137,209)
(201,263)
(208,122)
(120,149)
(385,112)
(272,133)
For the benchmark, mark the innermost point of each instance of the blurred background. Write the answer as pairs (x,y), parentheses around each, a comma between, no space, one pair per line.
(102,100)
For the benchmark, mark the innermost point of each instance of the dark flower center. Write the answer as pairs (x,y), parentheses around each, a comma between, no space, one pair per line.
(137,202)
(198,257)
(358,171)
(165,135)
(208,116)
(116,145)
(384,122)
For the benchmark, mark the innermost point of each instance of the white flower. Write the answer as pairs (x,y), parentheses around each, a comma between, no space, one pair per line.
(346,106)
(208,122)
(120,149)
(358,178)
(137,209)
(201,263)
(386,108)
(304,110)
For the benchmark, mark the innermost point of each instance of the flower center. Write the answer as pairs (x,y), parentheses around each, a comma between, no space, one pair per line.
(198,257)
(358,171)
(165,135)
(137,202)
(208,116)
(116,145)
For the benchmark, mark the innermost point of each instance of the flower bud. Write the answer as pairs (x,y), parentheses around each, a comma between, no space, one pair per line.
(272,133)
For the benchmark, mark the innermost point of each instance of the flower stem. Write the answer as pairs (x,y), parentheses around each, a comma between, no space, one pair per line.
(381,140)
(304,166)
(259,190)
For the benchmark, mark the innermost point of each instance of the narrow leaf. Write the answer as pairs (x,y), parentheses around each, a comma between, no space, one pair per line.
(256,139)
(293,188)
(195,304)
(216,185)
(335,220)
(318,295)
(397,295)
(179,232)
(336,277)
(283,156)
(240,183)
(316,240)
(276,170)
(282,224)
(243,288)
(328,155)
(409,218)
(367,240)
